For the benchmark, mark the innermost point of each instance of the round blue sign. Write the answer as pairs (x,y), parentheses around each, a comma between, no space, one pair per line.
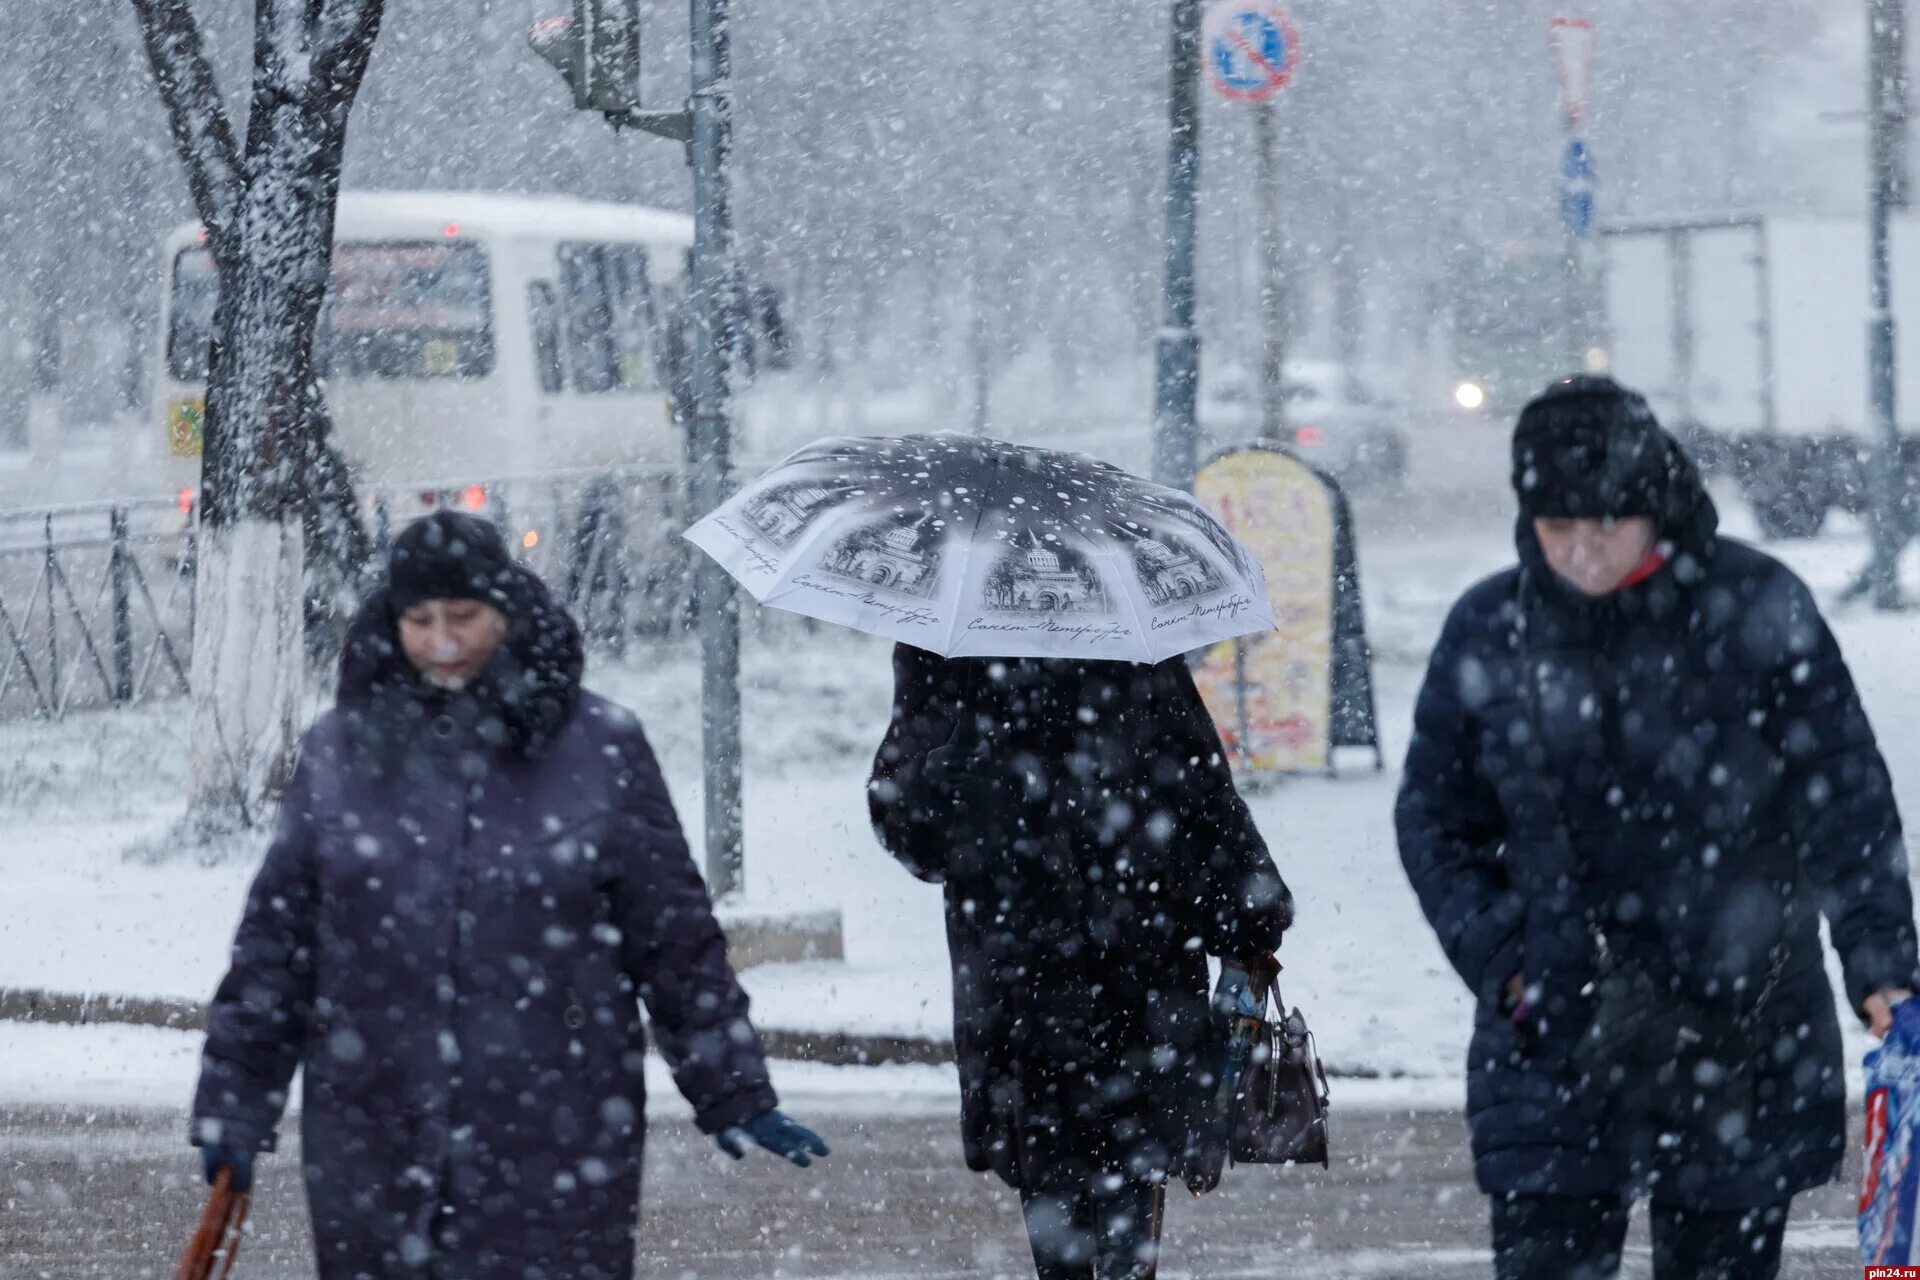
(1250,49)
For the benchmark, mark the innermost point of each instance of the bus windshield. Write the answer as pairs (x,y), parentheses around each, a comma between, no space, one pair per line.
(394,309)
(196,289)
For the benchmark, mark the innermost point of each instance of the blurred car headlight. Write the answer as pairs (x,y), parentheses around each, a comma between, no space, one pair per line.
(1470,396)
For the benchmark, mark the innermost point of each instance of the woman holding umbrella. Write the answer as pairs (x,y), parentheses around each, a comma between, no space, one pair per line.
(1060,777)
(476,879)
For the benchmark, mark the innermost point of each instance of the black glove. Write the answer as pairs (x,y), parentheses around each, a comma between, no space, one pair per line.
(774,1131)
(241,1160)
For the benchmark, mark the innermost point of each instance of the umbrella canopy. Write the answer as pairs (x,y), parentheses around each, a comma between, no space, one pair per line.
(971,547)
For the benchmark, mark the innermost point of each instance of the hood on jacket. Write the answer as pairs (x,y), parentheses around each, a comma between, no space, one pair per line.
(518,703)
(1683,511)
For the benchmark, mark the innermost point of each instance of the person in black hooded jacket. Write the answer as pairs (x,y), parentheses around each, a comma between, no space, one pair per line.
(1084,824)
(1639,776)
(476,880)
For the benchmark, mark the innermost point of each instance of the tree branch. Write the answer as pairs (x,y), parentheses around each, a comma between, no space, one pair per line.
(343,44)
(197,116)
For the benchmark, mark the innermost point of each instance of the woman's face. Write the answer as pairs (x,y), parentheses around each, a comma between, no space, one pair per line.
(450,641)
(1594,555)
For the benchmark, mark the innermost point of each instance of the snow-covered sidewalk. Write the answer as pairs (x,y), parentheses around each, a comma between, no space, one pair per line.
(78,916)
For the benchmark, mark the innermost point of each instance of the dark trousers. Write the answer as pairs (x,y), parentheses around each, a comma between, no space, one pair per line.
(1577,1238)
(1098,1226)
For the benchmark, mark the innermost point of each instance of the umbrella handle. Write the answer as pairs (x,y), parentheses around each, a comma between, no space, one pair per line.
(219,1230)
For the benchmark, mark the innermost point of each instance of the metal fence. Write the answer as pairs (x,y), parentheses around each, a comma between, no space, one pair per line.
(96,599)
(96,605)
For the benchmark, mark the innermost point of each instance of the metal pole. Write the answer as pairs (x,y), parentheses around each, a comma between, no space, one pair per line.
(1572,39)
(1680,303)
(1273,402)
(1242,721)
(979,414)
(716,607)
(1176,445)
(52,572)
(117,567)
(1886,131)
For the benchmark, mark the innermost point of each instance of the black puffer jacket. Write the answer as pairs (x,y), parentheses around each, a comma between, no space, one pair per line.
(1094,851)
(1684,767)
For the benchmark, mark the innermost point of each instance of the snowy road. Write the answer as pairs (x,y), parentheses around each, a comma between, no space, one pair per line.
(100,1194)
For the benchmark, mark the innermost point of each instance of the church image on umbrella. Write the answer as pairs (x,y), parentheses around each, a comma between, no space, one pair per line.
(1169,571)
(903,558)
(1035,578)
(781,514)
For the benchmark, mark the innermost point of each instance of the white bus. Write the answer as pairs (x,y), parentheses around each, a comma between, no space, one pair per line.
(466,336)
(505,353)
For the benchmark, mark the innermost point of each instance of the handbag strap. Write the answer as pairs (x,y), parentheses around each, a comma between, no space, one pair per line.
(1777,956)
(1263,977)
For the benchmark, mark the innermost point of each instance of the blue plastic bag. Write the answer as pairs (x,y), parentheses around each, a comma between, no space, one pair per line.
(1892,1181)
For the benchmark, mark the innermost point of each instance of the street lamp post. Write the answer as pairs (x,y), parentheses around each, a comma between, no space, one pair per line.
(716,604)
(1273,281)
(597,51)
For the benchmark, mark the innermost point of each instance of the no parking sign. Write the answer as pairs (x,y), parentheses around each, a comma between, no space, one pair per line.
(1250,49)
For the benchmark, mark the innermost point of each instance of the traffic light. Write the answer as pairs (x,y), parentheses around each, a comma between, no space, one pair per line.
(597,52)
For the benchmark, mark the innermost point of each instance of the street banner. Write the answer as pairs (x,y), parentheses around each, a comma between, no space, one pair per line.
(1285,700)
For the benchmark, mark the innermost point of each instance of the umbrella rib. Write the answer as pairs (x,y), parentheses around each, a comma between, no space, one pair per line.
(1146,637)
(966,565)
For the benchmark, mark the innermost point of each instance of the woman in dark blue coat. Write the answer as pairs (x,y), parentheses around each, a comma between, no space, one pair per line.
(1639,776)
(476,880)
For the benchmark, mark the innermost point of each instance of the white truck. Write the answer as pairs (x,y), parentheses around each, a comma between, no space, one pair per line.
(1749,335)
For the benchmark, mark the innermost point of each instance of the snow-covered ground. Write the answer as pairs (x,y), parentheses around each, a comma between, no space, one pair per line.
(79,914)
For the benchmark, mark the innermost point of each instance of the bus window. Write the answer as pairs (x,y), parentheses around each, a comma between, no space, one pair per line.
(196,290)
(633,318)
(610,319)
(408,309)
(591,365)
(544,311)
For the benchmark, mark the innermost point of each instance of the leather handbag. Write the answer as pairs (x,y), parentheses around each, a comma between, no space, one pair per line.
(1280,1108)
(1268,1102)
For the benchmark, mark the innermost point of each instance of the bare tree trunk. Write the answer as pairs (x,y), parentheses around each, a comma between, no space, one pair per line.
(266,455)
(336,536)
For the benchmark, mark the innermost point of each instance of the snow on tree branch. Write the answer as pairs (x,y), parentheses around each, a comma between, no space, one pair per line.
(196,114)
(343,40)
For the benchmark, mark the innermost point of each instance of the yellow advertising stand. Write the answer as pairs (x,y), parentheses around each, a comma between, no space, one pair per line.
(1286,699)
(186,421)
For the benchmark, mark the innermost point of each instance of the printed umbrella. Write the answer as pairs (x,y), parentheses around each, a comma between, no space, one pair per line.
(971,547)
